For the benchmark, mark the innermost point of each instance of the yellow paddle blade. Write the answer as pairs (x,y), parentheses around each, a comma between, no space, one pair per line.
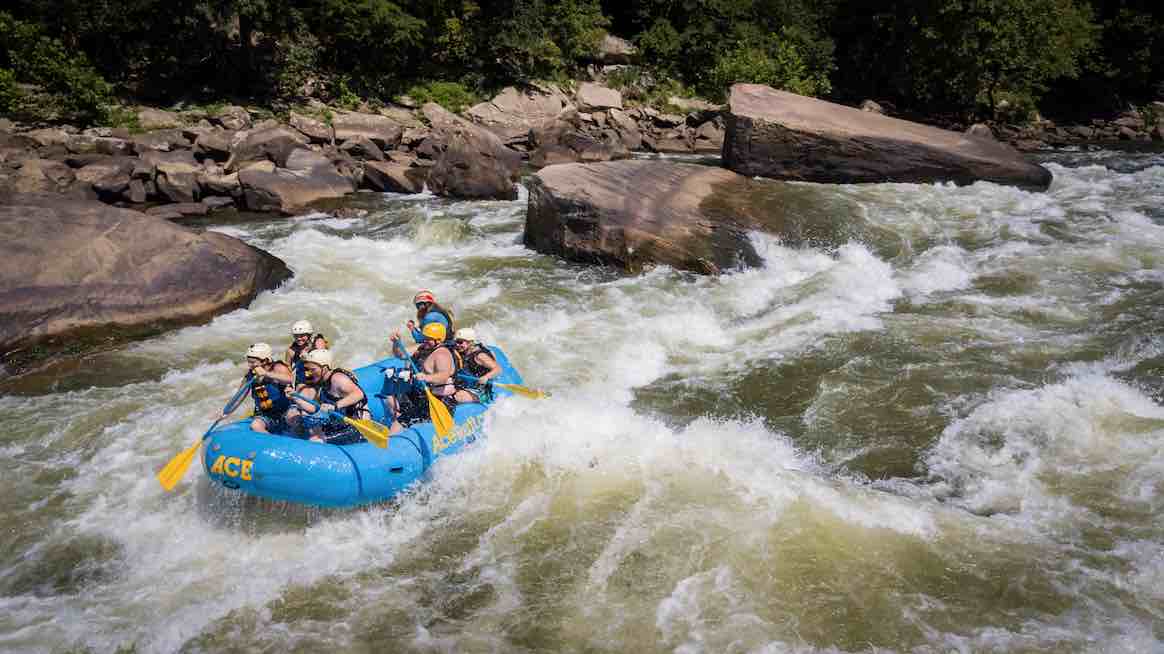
(524,390)
(374,432)
(442,420)
(170,475)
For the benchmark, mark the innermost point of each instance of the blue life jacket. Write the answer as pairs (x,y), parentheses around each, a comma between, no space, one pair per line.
(270,400)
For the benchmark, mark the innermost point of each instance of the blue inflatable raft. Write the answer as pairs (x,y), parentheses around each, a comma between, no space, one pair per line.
(322,474)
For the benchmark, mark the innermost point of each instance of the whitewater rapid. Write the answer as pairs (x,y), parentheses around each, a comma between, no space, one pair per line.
(947,437)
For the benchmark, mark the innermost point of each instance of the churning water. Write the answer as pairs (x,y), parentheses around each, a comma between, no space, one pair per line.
(947,437)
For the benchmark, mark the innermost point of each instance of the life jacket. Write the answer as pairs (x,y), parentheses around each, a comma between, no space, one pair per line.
(421,355)
(270,400)
(325,396)
(470,360)
(296,361)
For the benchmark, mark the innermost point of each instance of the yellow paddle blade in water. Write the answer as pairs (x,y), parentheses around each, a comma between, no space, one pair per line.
(532,393)
(442,420)
(170,475)
(374,432)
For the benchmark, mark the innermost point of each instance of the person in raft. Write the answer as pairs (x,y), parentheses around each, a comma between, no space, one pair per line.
(302,342)
(268,378)
(428,312)
(477,361)
(437,363)
(335,389)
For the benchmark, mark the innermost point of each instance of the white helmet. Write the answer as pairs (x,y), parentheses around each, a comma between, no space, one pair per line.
(319,357)
(301,327)
(466,334)
(260,351)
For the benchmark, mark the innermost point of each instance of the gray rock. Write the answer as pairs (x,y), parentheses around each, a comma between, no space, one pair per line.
(474,163)
(781,135)
(270,144)
(233,118)
(635,214)
(214,144)
(514,112)
(981,131)
(394,177)
(150,119)
(362,148)
(615,50)
(123,270)
(180,208)
(113,146)
(315,130)
(219,185)
(872,107)
(48,136)
(135,192)
(217,202)
(291,191)
(595,97)
(381,130)
(111,177)
(42,176)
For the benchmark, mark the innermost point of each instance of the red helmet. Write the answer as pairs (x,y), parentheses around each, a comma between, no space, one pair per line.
(423,296)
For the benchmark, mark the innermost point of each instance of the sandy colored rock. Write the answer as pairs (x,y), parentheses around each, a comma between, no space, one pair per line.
(149,119)
(514,112)
(315,130)
(782,135)
(595,97)
(381,130)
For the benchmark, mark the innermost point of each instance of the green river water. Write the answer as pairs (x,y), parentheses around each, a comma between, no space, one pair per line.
(943,435)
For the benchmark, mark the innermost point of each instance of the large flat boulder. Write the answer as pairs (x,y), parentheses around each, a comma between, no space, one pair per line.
(633,214)
(514,112)
(394,177)
(309,178)
(471,162)
(381,130)
(264,144)
(782,135)
(82,267)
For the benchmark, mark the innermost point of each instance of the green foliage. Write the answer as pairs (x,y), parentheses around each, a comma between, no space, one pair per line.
(775,61)
(975,50)
(11,96)
(450,95)
(122,116)
(71,88)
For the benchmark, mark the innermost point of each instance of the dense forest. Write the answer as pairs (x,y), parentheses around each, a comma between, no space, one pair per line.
(77,59)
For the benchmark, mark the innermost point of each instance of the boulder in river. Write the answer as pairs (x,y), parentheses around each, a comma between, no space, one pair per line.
(782,135)
(634,213)
(77,268)
(308,178)
(472,163)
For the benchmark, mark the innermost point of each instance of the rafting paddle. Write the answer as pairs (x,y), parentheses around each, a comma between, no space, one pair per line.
(172,473)
(372,431)
(531,393)
(438,413)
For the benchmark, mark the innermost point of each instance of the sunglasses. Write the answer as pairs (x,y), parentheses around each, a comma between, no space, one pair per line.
(421,305)
(301,335)
(461,341)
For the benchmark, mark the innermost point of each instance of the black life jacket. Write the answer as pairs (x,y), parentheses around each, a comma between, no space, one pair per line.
(270,400)
(325,396)
(421,355)
(471,365)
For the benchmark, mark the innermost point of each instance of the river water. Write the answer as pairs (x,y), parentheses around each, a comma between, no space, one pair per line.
(948,437)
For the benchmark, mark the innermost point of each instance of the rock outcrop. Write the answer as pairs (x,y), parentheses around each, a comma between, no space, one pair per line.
(782,135)
(77,267)
(514,112)
(472,163)
(634,214)
(308,177)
